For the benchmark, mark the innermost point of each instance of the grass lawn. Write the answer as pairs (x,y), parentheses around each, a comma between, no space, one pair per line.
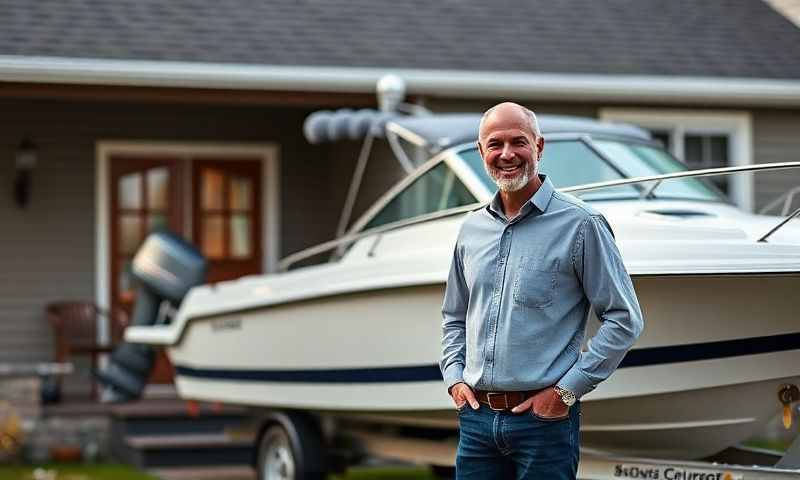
(122,472)
(72,472)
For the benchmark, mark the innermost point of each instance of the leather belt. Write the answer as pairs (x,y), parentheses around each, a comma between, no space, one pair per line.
(502,401)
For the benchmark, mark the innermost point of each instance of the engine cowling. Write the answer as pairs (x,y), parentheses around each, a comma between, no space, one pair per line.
(165,268)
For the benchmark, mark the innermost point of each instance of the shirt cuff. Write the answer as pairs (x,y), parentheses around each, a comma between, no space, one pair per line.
(453,374)
(576,382)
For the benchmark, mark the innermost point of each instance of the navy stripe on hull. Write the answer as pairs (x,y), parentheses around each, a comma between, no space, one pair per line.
(425,373)
(421,373)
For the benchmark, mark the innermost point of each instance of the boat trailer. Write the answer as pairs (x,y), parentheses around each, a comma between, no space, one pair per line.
(595,465)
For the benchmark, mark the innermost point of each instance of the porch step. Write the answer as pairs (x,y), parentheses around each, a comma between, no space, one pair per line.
(242,472)
(156,434)
(149,451)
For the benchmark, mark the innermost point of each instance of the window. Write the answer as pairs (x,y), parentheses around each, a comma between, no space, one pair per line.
(701,139)
(698,151)
(437,189)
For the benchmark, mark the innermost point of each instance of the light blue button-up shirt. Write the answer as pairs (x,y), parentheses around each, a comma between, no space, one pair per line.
(518,297)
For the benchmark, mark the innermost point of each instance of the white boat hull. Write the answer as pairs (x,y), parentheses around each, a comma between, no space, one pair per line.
(703,376)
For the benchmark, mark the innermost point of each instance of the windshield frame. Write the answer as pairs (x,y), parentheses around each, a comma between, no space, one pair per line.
(588,141)
(450,157)
(465,173)
(721,197)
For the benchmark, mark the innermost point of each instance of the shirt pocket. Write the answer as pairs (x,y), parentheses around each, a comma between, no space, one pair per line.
(534,287)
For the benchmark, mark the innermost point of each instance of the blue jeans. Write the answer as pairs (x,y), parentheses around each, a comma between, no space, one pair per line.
(503,445)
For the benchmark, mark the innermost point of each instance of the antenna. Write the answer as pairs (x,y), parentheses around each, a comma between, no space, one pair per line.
(391,91)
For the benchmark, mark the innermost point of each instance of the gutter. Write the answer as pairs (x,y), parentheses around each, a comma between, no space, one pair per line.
(650,89)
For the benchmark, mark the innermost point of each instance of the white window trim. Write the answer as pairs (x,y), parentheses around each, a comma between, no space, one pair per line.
(270,201)
(738,124)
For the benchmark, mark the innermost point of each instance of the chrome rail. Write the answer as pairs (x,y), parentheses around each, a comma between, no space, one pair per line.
(293,258)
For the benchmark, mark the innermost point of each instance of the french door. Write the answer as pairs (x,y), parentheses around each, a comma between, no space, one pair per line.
(145,197)
(220,214)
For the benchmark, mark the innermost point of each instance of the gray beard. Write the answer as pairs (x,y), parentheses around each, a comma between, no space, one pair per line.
(512,184)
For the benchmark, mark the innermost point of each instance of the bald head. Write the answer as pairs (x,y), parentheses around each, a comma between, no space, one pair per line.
(510,110)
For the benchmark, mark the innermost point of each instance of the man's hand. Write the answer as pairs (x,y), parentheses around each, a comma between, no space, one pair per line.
(461,394)
(546,403)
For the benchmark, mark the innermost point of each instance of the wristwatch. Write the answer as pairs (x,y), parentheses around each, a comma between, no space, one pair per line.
(567,397)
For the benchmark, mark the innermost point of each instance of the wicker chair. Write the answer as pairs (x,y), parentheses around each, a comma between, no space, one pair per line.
(75,330)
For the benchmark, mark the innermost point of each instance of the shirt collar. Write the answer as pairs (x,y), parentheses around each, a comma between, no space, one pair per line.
(540,199)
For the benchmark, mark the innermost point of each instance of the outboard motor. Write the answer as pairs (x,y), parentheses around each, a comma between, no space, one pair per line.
(165,267)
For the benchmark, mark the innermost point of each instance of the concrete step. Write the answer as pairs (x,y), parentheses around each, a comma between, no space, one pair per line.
(199,449)
(227,472)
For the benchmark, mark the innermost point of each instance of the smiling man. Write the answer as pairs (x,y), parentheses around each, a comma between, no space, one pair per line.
(525,271)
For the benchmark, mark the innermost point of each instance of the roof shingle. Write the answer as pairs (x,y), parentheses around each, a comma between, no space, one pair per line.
(716,38)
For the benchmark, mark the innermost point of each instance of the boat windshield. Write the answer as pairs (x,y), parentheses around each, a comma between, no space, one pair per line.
(435,190)
(571,162)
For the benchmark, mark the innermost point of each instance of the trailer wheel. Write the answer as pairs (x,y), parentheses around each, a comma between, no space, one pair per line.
(291,449)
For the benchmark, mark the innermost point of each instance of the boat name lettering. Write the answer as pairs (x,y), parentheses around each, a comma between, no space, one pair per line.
(226,324)
(669,473)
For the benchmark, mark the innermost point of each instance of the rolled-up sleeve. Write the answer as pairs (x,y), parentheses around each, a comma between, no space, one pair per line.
(608,287)
(454,314)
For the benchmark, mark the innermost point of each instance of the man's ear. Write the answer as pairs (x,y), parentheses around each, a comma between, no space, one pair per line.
(480,147)
(540,147)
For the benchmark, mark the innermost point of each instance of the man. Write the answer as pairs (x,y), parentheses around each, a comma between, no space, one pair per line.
(525,270)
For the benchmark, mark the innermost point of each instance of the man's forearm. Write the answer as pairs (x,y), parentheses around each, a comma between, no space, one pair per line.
(618,332)
(453,353)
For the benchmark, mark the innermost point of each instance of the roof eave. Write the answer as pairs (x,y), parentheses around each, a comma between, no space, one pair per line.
(444,83)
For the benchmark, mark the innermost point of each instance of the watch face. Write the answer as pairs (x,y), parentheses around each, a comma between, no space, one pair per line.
(567,397)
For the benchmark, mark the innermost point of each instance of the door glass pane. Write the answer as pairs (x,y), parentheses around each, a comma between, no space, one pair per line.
(130,229)
(241,193)
(130,191)
(156,221)
(213,182)
(213,236)
(240,236)
(157,186)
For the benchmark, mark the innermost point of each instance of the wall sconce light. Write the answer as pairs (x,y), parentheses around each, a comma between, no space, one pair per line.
(24,163)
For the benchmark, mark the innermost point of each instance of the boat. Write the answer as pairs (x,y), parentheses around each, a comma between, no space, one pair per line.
(355,336)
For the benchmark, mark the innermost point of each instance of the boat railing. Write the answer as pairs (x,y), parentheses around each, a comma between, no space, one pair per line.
(344,240)
(785,199)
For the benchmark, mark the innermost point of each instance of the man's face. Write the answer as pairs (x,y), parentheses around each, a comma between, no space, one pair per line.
(509,149)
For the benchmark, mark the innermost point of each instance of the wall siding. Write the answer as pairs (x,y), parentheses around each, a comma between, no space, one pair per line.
(48,249)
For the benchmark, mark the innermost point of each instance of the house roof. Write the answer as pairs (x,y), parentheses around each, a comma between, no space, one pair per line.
(714,52)
(711,38)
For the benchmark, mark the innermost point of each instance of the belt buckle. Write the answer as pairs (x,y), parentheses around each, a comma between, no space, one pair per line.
(490,395)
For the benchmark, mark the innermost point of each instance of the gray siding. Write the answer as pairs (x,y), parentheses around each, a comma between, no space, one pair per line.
(48,249)
(776,138)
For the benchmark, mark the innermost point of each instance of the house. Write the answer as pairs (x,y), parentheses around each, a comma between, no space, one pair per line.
(188,114)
